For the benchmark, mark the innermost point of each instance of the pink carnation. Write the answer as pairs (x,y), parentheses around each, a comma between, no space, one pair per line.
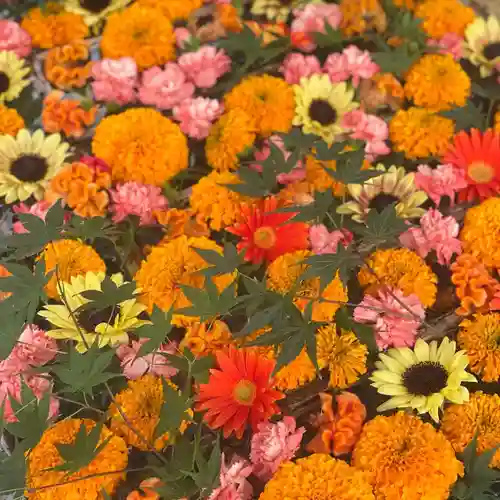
(297,66)
(115,80)
(273,444)
(196,115)
(336,67)
(393,324)
(323,241)
(436,232)
(132,198)
(182,37)
(445,180)
(134,367)
(360,64)
(40,209)
(165,88)
(34,347)
(14,38)
(451,44)
(233,480)
(205,66)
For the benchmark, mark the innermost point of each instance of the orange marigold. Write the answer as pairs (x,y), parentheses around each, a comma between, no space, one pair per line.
(180,222)
(361,16)
(228,16)
(497,121)
(11,122)
(173,9)
(319,179)
(52,26)
(206,338)
(444,16)
(140,32)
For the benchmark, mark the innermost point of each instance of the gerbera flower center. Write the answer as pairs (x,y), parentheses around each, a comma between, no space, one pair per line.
(480,172)
(4,82)
(381,201)
(492,51)
(244,392)
(322,112)
(424,379)
(95,6)
(29,168)
(88,319)
(265,237)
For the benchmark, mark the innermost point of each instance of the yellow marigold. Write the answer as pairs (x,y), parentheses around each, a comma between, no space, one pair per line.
(52,26)
(361,16)
(206,338)
(141,145)
(400,268)
(283,273)
(171,265)
(140,32)
(342,353)
(215,203)
(419,133)
(444,16)
(481,416)
(437,82)
(267,99)
(481,232)
(68,258)
(406,458)
(479,337)
(317,476)
(11,122)
(42,459)
(173,9)
(141,402)
(232,134)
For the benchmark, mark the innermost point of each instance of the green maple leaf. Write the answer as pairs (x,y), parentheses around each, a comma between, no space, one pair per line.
(220,264)
(397,60)
(324,202)
(467,117)
(157,332)
(109,296)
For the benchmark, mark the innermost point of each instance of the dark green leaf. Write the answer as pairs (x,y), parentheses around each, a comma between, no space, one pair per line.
(465,118)
(13,472)
(252,183)
(396,61)
(87,228)
(348,168)
(488,89)
(330,38)
(157,332)
(289,350)
(364,333)
(109,296)
(220,264)
(201,368)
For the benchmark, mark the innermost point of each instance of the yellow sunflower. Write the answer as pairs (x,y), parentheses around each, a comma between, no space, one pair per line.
(437,82)
(482,47)
(11,122)
(94,11)
(28,162)
(174,9)
(406,458)
(12,75)
(320,106)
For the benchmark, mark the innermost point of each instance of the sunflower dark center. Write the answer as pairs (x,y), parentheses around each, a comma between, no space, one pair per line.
(381,201)
(424,379)
(29,168)
(4,82)
(491,51)
(322,112)
(95,6)
(88,319)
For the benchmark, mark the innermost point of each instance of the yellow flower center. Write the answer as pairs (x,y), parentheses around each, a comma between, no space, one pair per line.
(265,237)
(480,172)
(244,392)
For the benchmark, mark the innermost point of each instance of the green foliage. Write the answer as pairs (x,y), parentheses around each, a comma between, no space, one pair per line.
(330,38)
(109,296)
(13,472)
(226,263)
(157,331)
(198,368)
(87,228)
(252,183)
(12,326)
(469,116)
(405,25)
(397,60)
(324,202)
(364,333)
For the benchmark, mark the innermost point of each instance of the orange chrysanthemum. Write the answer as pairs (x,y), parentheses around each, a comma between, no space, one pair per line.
(206,338)
(419,133)
(437,82)
(52,26)
(444,16)
(173,9)
(238,392)
(228,16)
(141,403)
(141,145)
(147,490)
(68,66)
(105,471)
(399,268)
(180,222)
(318,179)
(68,258)
(265,234)
(406,458)
(66,115)
(11,122)
(361,16)
(339,424)
(140,32)
(269,100)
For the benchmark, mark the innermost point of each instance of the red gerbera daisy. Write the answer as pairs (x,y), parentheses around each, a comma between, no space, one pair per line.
(478,155)
(240,391)
(266,235)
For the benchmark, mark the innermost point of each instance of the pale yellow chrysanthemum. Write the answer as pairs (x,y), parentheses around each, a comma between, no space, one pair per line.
(12,75)
(482,47)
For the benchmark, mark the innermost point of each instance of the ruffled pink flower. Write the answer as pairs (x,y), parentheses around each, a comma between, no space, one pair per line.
(322,241)
(312,19)
(134,367)
(297,66)
(369,128)
(451,44)
(336,67)
(196,115)
(233,480)
(165,88)
(445,180)
(436,232)
(392,323)
(205,66)
(115,80)
(182,37)
(14,38)
(132,198)
(360,64)
(40,209)
(273,444)
(34,348)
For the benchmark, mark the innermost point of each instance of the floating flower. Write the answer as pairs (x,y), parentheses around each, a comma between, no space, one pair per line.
(444,180)
(444,16)
(238,392)
(206,338)
(273,444)
(323,242)
(14,38)
(11,122)
(12,76)
(449,43)
(196,115)
(92,11)
(482,38)
(69,66)
(359,17)
(205,66)
(395,317)
(233,480)
(406,458)
(115,80)
(296,66)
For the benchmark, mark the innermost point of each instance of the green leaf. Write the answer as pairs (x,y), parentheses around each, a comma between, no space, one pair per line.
(13,472)
(348,168)
(465,118)
(364,333)
(157,332)
(405,25)
(397,60)
(109,296)
(200,369)
(289,350)
(12,326)
(330,38)
(487,89)
(245,42)
(297,141)
(323,203)
(252,183)
(220,264)
(207,475)
(87,228)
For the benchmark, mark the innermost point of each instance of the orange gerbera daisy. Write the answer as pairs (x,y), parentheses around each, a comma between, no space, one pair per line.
(478,155)
(239,391)
(266,235)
